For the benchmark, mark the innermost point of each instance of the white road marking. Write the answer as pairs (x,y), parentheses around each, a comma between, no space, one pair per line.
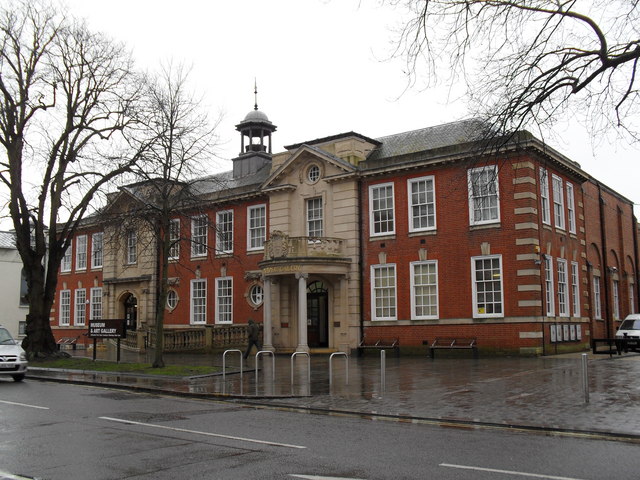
(23,405)
(208,434)
(317,477)
(10,476)
(508,472)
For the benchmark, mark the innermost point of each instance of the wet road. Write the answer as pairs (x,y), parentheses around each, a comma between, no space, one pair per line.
(56,431)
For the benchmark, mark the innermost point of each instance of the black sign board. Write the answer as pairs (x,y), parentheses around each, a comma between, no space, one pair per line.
(107,328)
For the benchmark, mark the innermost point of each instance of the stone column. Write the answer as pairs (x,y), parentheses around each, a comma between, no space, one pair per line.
(267,319)
(302,312)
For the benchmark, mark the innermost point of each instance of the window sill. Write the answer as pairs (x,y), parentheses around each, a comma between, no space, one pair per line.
(420,233)
(379,238)
(485,226)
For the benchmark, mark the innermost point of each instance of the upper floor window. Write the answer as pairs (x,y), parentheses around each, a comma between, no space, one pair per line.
(544,196)
(315,217)
(96,249)
(224,232)
(571,208)
(257,227)
(382,209)
(174,239)
(81,252)
(558,201)
(199,227)
(383,292)
(65,263)
(484,205)
(424,290)
(132,247)
(422,204)
(486,279)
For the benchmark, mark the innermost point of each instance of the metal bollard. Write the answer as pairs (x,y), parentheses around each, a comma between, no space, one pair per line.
(383,362)
(585,377)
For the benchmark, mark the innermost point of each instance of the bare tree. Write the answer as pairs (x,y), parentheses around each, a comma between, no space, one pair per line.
(180,140)
(66,99)
(527,62)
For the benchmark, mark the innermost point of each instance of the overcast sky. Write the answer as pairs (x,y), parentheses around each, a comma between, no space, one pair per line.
(321,66)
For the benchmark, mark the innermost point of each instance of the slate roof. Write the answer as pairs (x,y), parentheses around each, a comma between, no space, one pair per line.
(430,138)
(7,240)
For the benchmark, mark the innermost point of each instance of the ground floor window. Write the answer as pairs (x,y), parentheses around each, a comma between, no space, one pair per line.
(224,300)
(597,310)
(383,292)
(424,288)
(96,303)
(199,301)
(65,307)
(80,307)
(486,272)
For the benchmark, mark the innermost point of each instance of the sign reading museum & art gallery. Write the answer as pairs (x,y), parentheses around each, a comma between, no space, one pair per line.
(107,328)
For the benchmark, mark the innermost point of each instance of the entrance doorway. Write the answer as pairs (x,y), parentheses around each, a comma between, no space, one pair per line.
(131,312)
(317,315)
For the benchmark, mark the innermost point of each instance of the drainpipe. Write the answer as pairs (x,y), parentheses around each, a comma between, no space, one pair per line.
(605,274)
(634,226)
(361,259)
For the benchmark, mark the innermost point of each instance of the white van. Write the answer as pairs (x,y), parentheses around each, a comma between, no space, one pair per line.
(630,327)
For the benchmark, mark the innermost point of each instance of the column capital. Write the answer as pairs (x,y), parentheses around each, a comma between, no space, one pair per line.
(300,275)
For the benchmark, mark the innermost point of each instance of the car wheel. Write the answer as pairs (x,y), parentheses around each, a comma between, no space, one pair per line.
(18,378)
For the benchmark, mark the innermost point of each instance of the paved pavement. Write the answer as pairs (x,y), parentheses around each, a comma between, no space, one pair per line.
(543,393)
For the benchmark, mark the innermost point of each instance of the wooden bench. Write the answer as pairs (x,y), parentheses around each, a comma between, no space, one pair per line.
(379,343)
(68,341)
(450,343)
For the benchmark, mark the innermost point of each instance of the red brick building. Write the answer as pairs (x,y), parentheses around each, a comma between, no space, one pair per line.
(413,236)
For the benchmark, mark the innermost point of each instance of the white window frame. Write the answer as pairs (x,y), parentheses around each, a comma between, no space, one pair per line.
(548,286)
(224,300)
(479,195)
(67,258)
(597,301)
(571,208)
(95,307)
(382,210)
(80,307)
(174,239)
(132,247)
(314,210)
(390,292)
(64,320)
(422,202)
(81,252)
(475,281)
(575,288)
(415,305)
(199,236)
(558,201)
(632,298)
(224,231)
(256,227)
(198,305)
(544,196)
(97,249)
(563,288)
(615,284)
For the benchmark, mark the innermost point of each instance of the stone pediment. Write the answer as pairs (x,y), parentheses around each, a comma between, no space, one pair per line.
(293,171)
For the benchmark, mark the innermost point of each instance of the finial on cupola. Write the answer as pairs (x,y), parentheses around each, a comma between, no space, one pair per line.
(255,93)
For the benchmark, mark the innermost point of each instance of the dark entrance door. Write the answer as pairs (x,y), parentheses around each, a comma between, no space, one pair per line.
(317,315)
(131,312)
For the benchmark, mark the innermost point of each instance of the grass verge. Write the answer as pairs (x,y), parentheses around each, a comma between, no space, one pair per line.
(142,368)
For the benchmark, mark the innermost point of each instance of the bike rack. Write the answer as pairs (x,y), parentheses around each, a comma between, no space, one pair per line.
(273,364)
(224,364)
(293,355)
(346,357)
